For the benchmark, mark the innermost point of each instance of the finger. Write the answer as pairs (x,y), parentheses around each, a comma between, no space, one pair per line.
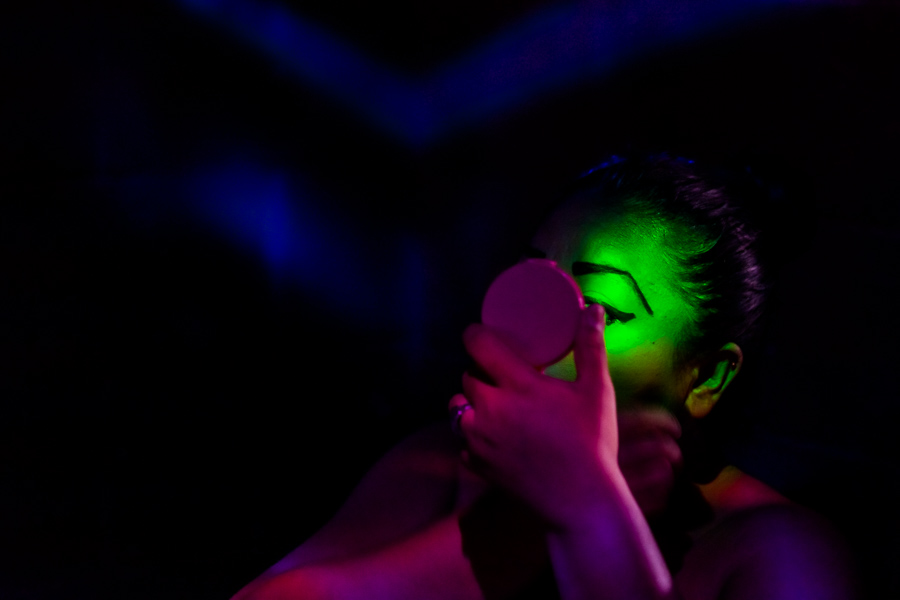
(673,453)
(655,472)
(590,349)
(456,401)
(464,423)
(650,451)
(497,359)
(659,478)
(475,390)
(476,464)
(470,486)
(476,446)
(458,407)
(648,420)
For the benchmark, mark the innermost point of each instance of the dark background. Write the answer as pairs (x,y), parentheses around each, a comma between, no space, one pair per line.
(234,265)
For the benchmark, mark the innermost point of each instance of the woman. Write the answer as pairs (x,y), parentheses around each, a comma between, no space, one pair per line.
(563,471)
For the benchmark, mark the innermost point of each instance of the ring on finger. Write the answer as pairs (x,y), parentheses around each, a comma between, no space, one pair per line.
(456,414)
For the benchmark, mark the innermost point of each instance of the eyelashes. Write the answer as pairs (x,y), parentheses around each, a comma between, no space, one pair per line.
(613,315)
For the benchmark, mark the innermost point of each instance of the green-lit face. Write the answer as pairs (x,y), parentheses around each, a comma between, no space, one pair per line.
(625,268)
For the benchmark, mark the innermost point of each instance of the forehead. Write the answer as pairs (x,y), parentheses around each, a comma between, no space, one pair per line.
(579,232)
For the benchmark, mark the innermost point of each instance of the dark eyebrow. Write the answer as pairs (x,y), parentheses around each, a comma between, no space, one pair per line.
(586,268)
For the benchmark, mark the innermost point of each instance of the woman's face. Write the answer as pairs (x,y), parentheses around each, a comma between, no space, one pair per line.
(624,267)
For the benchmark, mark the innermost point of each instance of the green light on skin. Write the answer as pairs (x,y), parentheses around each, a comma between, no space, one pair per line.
(642,348)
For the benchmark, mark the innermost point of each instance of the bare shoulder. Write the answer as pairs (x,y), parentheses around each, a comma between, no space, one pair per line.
(771,551)
(410,487)
(433,443)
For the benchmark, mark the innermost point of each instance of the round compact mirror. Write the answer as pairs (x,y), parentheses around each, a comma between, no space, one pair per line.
(535,307)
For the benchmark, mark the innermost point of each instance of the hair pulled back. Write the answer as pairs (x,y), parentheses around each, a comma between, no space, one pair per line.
(712,244)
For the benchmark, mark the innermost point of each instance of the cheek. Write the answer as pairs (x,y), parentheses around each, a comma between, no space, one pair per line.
(641,376)
(564,369)
(644,375)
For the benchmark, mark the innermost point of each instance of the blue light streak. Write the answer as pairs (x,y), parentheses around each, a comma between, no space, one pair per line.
(559,47)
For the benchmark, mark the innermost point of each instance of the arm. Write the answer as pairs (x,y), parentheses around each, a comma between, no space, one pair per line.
(413,529)
(608,551)
(411,487)
(428,564)
(408,507)
(554,444)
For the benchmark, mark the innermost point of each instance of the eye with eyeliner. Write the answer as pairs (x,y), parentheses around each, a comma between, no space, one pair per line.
(613,315)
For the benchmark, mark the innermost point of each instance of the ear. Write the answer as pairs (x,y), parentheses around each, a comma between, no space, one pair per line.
(711,377)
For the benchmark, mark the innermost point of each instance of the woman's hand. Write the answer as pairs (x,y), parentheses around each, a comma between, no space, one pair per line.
(553,443)
(649,456)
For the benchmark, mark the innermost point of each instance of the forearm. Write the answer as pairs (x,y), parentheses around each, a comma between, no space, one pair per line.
(429,564)
(609,552)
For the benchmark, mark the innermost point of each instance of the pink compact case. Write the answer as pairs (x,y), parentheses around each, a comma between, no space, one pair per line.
(535,307)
